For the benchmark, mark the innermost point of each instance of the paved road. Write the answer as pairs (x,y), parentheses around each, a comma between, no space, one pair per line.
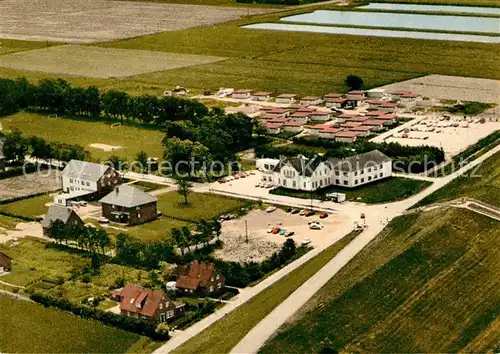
(253,341)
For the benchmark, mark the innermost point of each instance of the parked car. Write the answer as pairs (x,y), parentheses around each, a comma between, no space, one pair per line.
(270,209)
(103,220)
(316,226)
(270,230)
(289,233)
(289,210)
(257,185)
(362,215)
(282,232)
(295,211)
(159,213)
(302,212)
(221,180)
(276,230)
(306,242)
(309,213)
(323,215)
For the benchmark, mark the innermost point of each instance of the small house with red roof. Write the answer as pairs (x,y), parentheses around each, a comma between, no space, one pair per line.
(242,94)
(311,101)
(300,117)
(261,96)
(286,98)
(332,95)
(362,130)
(146,304)
(328,133)
(346,137)
(320,116)
(279,112)
(349,125)
(357,94)
(335,102)
(388,107)
(273,128)
(354,100)
(199,277)
(375,124)
(292,127)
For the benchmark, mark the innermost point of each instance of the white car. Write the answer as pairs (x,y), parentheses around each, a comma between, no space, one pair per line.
(103,220)
(270,185)
(306,242)
(270,229)
(316,226)
(270,209)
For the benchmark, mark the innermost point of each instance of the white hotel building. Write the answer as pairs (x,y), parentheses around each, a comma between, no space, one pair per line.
(301,173)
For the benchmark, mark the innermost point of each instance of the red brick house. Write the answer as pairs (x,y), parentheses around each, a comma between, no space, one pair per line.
(129,205)
(5,263)
(199,277)
(146,304)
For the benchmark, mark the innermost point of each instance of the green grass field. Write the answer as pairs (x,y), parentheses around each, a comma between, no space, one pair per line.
(238,323)
(31,328)
(8,222)
(55,272)
(428,283)
(482,183)
(200,206)
(132,139)
(384,191)
(148,186)
(31,207)
(11,45)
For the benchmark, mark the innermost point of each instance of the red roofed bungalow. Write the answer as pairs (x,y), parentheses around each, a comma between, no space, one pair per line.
(362,130)
(278,120)
(310,100)
(282,112)
(351,124)
(346,137)
(242,94)
(358,119)
(335,102)
(374,114)
(302,117)
(199,277)
(333,95)
(293,127)
(261,96)
(328,133)
(286,98)
(306,109)
(376,124)
(147,304)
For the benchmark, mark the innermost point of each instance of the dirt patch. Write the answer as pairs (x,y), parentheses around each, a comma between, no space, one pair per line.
(262,244)
(452,88)
(100,62)
(83,21)
(105,147)
(33,183)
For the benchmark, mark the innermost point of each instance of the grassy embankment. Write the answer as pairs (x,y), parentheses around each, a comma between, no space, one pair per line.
(428,283)
(482,183)
(30,328)
(222,336)
(384,191)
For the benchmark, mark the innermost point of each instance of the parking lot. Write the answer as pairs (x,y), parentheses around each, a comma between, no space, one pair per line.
(262,244)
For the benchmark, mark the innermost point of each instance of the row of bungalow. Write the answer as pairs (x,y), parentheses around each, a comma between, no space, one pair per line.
(375,98)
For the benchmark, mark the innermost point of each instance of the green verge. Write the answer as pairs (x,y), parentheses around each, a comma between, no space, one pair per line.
(29,208)
(383,191)
(223,335)
(8,222)
(482,183)
(32,328)
(429,282)
(11,45)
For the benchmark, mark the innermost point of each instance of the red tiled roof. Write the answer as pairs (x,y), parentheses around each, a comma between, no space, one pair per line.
(138,300)
(346,115)
(320,113)
(373,122)
(388,105)
(331,130)
(399,92)
(375,102)
(374,114)
(242,91)
(306,109)
(410,95)
(350,124)
(262,94)
(387,116)
(361,128)
(295,106)
(287,95)
(357,119)
(267,108)
(300,114)
(346,134)
(278,111)
(273,125)
(292,124)
(197,274)
(278,120)
(335,100)
(267,116)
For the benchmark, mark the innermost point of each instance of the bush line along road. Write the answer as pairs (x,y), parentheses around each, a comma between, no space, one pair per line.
(267,327)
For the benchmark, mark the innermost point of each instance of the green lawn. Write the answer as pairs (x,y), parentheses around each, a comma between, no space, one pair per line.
(31,328)
(57,272)
(383,191)
(482,183)
(222,336)
(132,139)
(430,282)
(148,186)
(31,207)
(156,230)
(200,206)
(8,222)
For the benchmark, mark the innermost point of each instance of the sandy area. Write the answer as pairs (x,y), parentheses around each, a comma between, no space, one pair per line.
(262,244)
(84,21)
(44,181)
(22,230)
(106,147)
(452,88)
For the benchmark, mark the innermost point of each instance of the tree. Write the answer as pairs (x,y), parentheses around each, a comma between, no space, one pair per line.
(216,227)
(183,186)
(116,163)
(186,238)
(162,329)
(165,270)
(142,160)
(15,147)
(115,103)
(178,238)
(354,82)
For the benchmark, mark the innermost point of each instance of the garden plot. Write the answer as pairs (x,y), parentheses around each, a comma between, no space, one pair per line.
(99,62)
(29,184)
(82,21)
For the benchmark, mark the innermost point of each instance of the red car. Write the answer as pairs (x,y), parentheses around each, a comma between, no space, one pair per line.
(276,230)
(221,180)
(309,213)
(323,215)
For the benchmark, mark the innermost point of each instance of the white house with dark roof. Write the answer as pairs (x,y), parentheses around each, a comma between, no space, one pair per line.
(310,174)
(82,176)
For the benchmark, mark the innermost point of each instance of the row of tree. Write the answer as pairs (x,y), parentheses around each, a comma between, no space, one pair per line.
(59,97)
(16,147)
